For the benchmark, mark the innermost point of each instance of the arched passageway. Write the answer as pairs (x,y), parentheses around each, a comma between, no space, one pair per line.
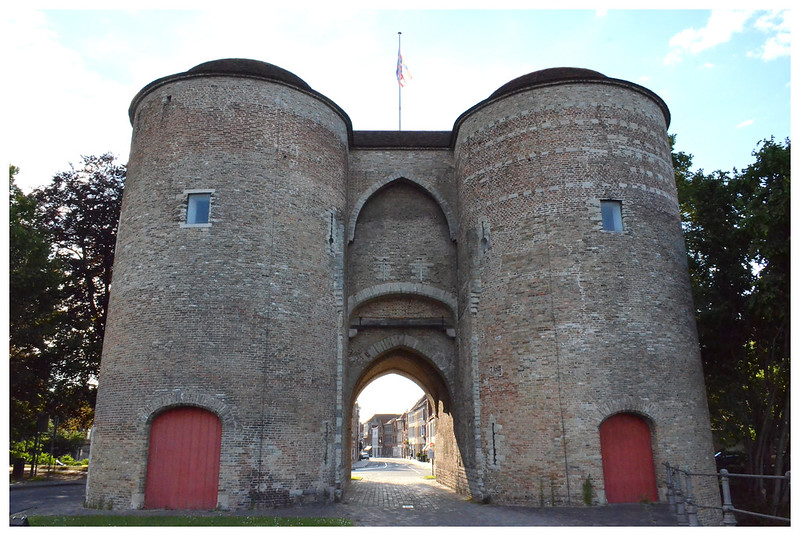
(440,416)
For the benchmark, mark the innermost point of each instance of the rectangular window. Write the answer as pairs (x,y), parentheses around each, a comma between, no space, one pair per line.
(611,212)
(198,208)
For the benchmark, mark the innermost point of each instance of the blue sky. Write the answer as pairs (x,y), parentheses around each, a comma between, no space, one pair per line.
(724,75)
(71,73)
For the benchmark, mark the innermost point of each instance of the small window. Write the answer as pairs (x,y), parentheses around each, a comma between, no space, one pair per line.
(198,208)
(612,215)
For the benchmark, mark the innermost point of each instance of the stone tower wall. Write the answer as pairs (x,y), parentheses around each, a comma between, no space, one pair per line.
(242,317)
(553,324)
(569,323)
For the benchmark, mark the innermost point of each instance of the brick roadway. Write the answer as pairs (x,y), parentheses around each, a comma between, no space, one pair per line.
(402,496)
(394,492)
(385,497)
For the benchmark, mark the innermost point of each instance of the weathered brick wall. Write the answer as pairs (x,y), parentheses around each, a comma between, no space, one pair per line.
(554,324)
(401,235)
(403,307)
(574,323)
(244,312)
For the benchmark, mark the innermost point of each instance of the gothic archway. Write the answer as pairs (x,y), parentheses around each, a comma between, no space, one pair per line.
(410,357)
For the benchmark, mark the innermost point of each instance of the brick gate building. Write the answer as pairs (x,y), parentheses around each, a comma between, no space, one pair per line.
(526,269)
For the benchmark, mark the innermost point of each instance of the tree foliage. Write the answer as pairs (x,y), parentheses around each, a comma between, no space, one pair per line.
(736,227)
(80,208)
(35,282)
(69,228)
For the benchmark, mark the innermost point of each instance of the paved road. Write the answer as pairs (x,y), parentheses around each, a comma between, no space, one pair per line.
(47,499)
(392,484)
(391,492)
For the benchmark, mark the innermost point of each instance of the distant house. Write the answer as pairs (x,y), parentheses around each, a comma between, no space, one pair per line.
(399,431)
(379,439)
(418,417)
(356,443)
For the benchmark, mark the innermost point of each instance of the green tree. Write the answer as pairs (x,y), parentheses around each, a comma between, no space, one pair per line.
(766,188)
(35,282)
(80,210)
(736,227)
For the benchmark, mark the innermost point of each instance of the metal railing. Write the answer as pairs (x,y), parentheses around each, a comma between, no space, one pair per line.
(682,502)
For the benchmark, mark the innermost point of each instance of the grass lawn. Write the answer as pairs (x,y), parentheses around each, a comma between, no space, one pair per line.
(185,521)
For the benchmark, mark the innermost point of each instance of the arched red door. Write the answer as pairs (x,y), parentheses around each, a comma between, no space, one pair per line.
(183,464)
(628,469)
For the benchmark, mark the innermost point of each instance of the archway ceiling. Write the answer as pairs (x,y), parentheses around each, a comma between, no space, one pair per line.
(412,366)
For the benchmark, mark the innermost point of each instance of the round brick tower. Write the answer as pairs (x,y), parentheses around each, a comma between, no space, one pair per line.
(225,315)
(580,320)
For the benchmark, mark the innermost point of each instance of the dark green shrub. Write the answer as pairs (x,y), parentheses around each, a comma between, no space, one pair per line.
(588,491)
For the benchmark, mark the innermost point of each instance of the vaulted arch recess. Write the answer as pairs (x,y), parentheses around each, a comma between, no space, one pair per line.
(401,235)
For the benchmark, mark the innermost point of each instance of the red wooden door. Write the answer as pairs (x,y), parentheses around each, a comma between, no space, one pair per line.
(183,465)
(628,468)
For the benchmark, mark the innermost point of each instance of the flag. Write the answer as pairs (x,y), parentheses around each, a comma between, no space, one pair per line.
(400,68)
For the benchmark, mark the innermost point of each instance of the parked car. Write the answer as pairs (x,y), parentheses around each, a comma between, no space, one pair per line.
(732,461)
(363,455)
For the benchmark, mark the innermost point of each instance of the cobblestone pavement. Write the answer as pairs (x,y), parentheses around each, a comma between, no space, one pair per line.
(387,497)
(397,497)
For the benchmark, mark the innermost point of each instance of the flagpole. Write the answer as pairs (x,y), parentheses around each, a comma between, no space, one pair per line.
(399,91)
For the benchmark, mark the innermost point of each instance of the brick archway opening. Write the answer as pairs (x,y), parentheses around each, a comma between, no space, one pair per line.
(448,462)
(411,365)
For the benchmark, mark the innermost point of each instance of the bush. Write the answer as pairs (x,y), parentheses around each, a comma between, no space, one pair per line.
(21,449)
(45,458)
(588,491)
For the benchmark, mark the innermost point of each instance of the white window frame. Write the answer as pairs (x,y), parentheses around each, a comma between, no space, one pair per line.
(186,195)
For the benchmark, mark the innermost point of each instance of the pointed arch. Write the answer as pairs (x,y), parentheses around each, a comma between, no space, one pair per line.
(409,357)
(167,399)
(612,406)
(386,181)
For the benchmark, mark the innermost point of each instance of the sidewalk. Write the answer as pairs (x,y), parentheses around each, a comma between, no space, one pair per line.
(57,478)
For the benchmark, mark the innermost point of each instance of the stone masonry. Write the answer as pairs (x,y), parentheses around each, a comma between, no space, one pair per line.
(473,261)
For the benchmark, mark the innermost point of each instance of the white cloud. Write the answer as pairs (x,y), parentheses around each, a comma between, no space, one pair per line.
(779,42)
(746,123)
(51,132)
(722,25)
